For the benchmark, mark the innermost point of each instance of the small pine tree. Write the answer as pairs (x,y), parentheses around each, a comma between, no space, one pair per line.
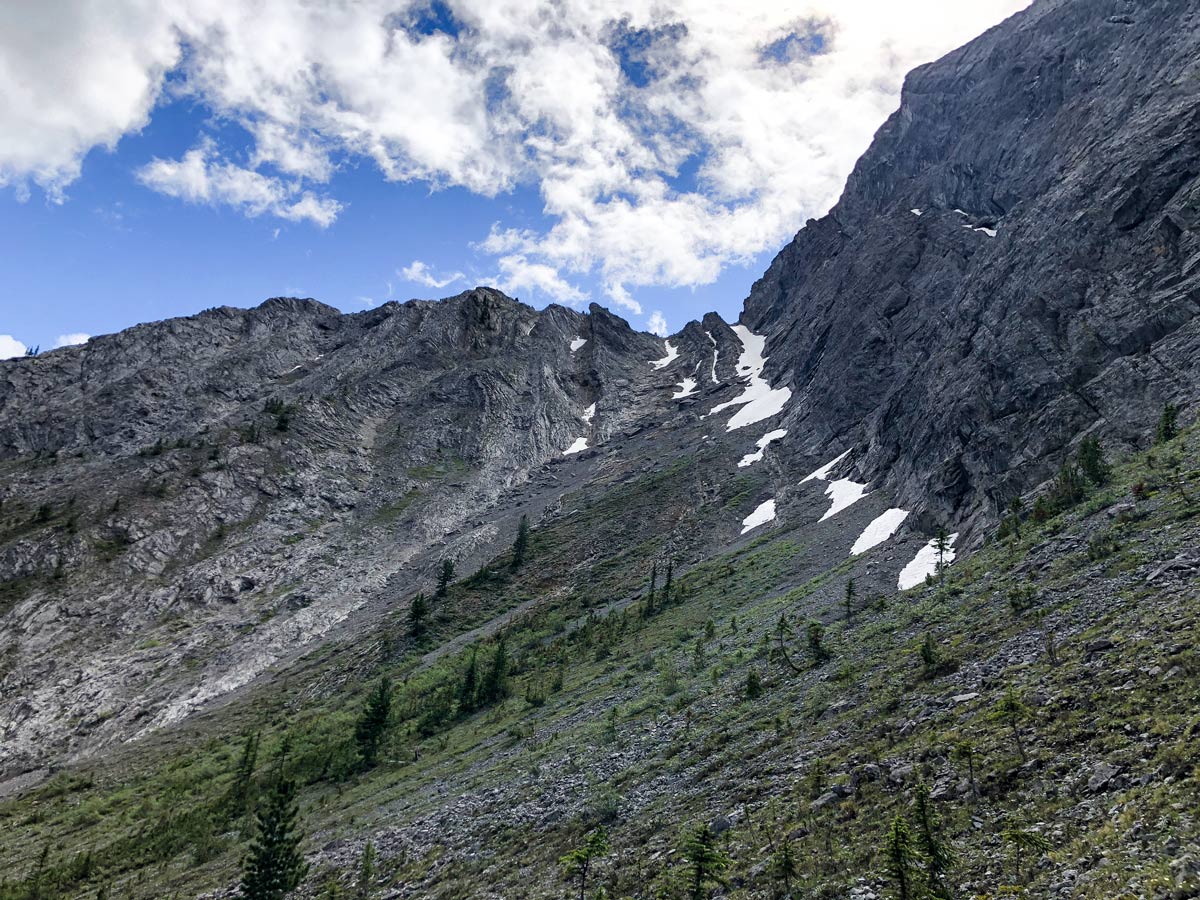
(237,801)
(784,865)
(941,546)
(1011,712)
(274,867)
(816,644)
(648,608)
(1069,486)
(521,544)
(849,599)
(494,687)
(1016,510)
(705,861)
(1041,510)
(468,690)
(753,689)
(936,856)
(366,872)
(418,613)
(445,576)
(900,858)
(1025,842)
(666,591)
(1168,424)
(1092,463)
(578,862)
(373,722)
(931,662)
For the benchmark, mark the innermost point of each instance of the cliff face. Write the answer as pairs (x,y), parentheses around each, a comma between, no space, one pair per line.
(191,505)
(1014,263)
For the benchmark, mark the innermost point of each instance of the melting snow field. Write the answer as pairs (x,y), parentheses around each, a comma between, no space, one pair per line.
(763,514)
(577,342)
(822,474)
(990,232)
(687,387)
(672,355)
(758,400)
(915,212)
(582,443)
(716,352)
(843,493)
(924,564)
(762,443)
(881,528)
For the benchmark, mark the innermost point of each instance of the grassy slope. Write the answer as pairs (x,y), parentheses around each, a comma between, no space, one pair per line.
(486,806)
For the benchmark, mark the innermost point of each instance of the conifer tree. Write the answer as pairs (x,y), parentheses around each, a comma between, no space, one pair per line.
(705,861)
(445,576)
(1168,424)
(648,607)
(784,864)
(1092,463)
(849,599)
(941,546)
(936,856)
(1025,842)
(521,544)
(366,872)
(373,722)
(274,866)
(578,863)
(1011,711)
(816,646)
(900,858)
(666,591)
(417,614)
(468,691)
(495,683)
(753,689)
(238,800)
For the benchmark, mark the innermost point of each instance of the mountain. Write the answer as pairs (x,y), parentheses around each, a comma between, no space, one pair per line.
(773,577)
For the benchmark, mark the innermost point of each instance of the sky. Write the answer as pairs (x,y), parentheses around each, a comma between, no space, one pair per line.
(159,157)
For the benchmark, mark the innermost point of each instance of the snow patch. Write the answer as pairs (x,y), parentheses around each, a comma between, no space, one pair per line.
(961,212)
(915,212)
(881,528)
(758,400)
(762,443)
(581,444)
(687,387)
(925,563)
(990,232)
(822,474)
(577,342)
(672,355)
(716,352)
(843,493)
(764,513)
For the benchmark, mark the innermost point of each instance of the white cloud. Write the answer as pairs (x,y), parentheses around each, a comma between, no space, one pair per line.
(420,273)
(517,273)
(599,106)
(10,347)
(657,324)
(71,339)
(198,178)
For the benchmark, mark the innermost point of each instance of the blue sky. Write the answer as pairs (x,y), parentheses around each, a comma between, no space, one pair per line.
(159,159)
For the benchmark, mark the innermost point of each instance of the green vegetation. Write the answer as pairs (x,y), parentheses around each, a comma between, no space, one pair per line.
(641,723)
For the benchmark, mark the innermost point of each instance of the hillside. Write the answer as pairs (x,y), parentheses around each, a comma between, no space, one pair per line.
(781,576)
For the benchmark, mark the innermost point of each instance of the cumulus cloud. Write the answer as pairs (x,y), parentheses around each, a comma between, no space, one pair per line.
(71,339)
(420,273)
(200,179)
(517,273)
(657,324)
(666,140)
(10,347)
